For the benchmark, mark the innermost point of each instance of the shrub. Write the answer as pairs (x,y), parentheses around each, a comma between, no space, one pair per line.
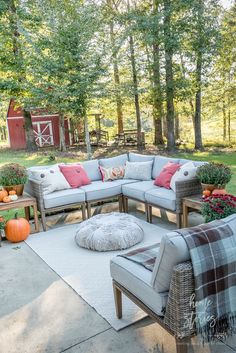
(218,206)
(13,174)
(214,173)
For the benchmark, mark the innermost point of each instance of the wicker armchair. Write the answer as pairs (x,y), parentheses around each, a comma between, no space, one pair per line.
(178,318)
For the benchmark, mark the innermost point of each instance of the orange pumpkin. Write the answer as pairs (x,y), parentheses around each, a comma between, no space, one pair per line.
(12,192)
(3,193)
(219,192)
(17,229)
(6,199)
(206,193)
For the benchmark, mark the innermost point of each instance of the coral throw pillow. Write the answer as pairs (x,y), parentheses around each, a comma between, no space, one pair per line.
(113,173)
(164,178)
(75,175)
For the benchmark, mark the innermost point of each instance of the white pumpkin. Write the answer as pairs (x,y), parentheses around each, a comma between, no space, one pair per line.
(13,197)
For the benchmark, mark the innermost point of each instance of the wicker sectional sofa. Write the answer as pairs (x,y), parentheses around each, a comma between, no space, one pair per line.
(123,189)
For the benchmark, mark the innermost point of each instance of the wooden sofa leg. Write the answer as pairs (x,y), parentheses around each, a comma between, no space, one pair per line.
(89,209)
(181,346)
(83,209)
(120,200)
(125,204)
(150,213)
(118,301)
(147,212)
(179,220)
(43,220)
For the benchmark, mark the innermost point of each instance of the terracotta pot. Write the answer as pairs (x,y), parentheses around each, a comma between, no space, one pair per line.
(18,189)
(209,187)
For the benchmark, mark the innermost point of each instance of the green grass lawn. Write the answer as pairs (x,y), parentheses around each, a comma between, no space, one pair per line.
(43,158)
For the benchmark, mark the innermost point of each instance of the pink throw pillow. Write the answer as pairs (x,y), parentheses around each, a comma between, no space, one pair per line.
(75,175)
(164,178)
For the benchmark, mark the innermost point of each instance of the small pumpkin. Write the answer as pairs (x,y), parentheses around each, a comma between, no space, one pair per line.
(17,229)
(3,193)
(206,193)
(13,197)
(12,192)
(219,192)
(6,199)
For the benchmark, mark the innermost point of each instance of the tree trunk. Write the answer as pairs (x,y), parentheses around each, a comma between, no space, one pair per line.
(224,119)
(29,132)
(157,97)
(177,125)
(198,105)
(170,111)
(140,145)
(198,95)
(157,91)
(62,132)
(229,125)
(119,104)
(87,137)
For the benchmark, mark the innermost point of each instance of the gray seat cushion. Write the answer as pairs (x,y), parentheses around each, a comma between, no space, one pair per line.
(161,197)
(137,280)
(117,161)
(137,190)
(100,190)
(63,197)
(159,163)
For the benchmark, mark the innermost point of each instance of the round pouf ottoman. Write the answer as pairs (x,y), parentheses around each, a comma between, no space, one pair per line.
(109,231)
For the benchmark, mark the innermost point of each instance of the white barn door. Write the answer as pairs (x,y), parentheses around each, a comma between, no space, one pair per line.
(43,133)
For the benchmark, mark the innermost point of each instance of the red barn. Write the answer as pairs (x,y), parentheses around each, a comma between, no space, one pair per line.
(46,128)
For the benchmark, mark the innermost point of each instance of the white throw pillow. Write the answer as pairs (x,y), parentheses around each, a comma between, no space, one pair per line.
(138,170)
(173,251)
(186,172)
(51,179)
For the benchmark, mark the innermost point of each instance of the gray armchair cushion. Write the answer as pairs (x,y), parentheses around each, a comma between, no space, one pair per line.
(137,190)
(117,161)
(64,197)
(159,163)
(173,250)
(161,197)
(137,280)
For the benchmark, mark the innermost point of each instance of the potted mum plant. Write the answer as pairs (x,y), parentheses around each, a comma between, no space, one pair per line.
(13,176)
(218,206)
(214,176)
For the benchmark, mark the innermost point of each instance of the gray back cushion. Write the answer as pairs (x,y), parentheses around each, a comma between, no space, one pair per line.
(135,157)
(138,170)
(159,163)
(92,169)
(173,250)
(117,161)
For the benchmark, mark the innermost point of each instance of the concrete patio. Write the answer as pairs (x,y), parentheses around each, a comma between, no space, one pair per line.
(40,313)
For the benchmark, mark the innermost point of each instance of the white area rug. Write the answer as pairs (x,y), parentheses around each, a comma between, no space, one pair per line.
(88,272)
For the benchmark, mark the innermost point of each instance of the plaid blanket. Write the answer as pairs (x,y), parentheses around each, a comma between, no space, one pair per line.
(145,256)
(213,253)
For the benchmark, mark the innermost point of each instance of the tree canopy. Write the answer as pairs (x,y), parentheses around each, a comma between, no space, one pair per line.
(162,66)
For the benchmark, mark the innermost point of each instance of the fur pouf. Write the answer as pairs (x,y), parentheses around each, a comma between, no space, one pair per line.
(109,231)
